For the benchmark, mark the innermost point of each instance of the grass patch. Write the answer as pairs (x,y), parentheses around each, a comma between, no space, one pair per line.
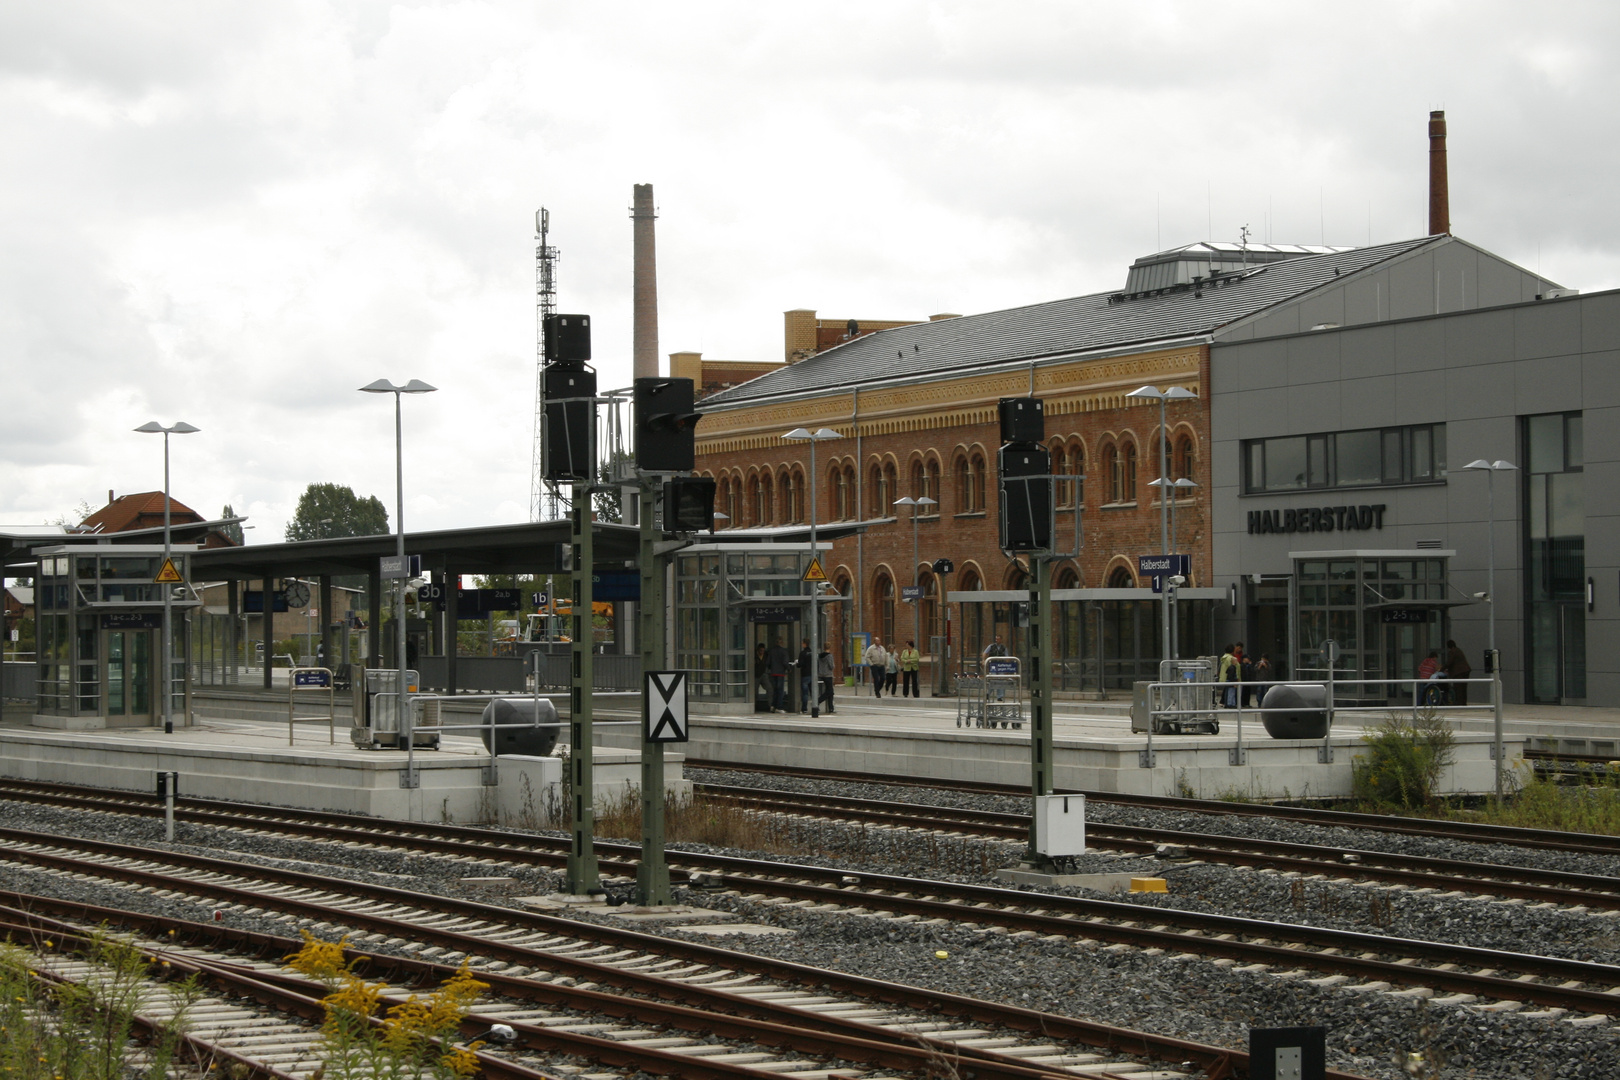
(1587,801)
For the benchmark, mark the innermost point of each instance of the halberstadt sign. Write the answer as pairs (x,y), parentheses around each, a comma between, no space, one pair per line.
(1308,519)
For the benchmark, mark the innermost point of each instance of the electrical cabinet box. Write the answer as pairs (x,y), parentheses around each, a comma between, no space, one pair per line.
(1060,825)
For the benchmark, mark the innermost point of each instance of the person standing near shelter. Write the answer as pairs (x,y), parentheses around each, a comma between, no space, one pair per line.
(910,661)
(1227,673)
(807,674)
(891,668)
(877,663)
(1457,669)
(1262,679)
(762,681)
(776,666)
(825,669)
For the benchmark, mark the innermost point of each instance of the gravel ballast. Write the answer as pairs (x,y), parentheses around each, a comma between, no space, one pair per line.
(1370,1033)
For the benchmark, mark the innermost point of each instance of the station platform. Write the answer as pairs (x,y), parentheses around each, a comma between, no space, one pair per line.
(237,749)
(250,760)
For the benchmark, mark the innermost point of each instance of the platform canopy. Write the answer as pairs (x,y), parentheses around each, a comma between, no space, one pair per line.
(18,543)
(529,548)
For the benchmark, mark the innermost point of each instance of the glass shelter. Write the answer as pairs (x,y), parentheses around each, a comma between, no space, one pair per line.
(732,598)
(1385,609)
(100,634)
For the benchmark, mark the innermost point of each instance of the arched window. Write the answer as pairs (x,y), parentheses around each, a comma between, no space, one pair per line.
(1185,461)
(877,493)
(930,611)
(964,485)
(919,480)
(733,503)
(838,502)
(852,492)
(762,500)
(1130,472)
(891,489)
(1120,578)
(1067,578)
(935,492)
(978,482)
(1114,474)
(1061,488)
(973,618)
(1077,468)
(883,592)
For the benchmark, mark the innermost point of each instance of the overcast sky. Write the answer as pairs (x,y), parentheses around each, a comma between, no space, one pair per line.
(235,214)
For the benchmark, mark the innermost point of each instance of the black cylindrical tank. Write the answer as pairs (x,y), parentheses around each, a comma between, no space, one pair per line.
(1307,718)
(536,741)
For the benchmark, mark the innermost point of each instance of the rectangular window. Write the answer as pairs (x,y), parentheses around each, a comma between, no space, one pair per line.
(1555,557)
(1347,459)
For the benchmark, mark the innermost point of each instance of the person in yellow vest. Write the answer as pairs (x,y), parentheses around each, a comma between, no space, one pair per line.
(910,661)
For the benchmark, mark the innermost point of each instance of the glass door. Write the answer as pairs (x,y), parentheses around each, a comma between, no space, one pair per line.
(129,674)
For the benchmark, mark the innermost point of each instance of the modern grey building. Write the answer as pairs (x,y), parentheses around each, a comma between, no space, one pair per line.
(1341,426)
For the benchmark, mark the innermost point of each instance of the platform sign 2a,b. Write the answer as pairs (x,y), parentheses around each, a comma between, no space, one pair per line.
(663,707)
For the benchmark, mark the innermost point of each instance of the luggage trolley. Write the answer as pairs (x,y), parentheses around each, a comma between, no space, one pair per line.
(1191,698)
(1003,693)
(969,700)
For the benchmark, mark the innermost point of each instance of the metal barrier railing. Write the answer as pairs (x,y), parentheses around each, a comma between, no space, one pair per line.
(1161,692)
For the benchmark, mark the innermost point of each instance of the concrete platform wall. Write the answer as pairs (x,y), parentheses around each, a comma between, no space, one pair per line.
(1192,765)
(450,787)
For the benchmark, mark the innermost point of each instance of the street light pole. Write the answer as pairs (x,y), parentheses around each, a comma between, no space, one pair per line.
(152,427)
(813,437)
(916,577)
(1490,469)
(401,689)
(1174,393)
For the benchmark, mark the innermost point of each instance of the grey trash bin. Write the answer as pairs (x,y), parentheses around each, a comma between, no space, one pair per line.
(535,741)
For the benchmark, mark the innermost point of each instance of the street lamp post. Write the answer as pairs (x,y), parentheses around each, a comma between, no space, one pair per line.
(415,386)
(152,427)
(813,437)
(1174,393)
(916,579)
(1490,469)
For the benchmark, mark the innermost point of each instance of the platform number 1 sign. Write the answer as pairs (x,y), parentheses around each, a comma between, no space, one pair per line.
(663,707)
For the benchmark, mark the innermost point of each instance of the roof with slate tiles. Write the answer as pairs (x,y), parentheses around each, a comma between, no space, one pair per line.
(1098,323)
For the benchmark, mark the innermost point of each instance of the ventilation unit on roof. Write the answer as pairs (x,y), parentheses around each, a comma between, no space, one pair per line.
(1557,294)
(1431,545)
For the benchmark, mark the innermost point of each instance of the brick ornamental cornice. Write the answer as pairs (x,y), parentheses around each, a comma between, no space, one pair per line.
(1073,386)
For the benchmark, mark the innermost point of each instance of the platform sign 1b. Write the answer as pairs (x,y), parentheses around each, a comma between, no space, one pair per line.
(663,707)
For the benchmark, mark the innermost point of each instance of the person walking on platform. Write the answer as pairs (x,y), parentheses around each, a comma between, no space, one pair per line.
(1227,673)
(807,674)
(877,666)
(825,669)
(776,666)
(1457,669)
(910,661)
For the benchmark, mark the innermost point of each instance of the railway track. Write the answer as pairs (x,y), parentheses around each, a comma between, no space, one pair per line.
(1528,884)
(1423,872)
(879,1029)
(1472,832)
(1360,961)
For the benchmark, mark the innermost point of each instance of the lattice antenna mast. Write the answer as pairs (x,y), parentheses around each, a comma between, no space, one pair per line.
(545,502)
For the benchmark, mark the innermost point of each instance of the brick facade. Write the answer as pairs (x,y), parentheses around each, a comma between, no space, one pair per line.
(940,437)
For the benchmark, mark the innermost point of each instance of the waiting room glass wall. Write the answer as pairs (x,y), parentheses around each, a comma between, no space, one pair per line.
(1554,493)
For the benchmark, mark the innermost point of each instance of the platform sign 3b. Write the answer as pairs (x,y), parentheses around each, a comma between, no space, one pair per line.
(663,707)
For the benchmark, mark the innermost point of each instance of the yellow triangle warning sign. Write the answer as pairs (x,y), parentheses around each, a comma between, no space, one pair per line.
(814,572)
(168,575)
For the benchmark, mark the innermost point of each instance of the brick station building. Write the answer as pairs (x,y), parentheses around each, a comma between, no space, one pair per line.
(915,408)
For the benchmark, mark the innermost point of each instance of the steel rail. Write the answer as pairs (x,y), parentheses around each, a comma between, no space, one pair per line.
(720,1003)
(1473,832)
(1200,933)
(1527,883)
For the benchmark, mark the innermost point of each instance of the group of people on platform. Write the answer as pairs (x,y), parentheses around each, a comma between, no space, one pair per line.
(1244,678)
(1440,685)
(887,667)
(771,666)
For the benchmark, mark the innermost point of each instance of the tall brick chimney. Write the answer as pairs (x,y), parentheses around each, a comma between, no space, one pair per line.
(1439,187)
(644,336)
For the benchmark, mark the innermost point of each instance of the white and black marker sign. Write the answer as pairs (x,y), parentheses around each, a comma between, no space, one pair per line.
(663,707)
